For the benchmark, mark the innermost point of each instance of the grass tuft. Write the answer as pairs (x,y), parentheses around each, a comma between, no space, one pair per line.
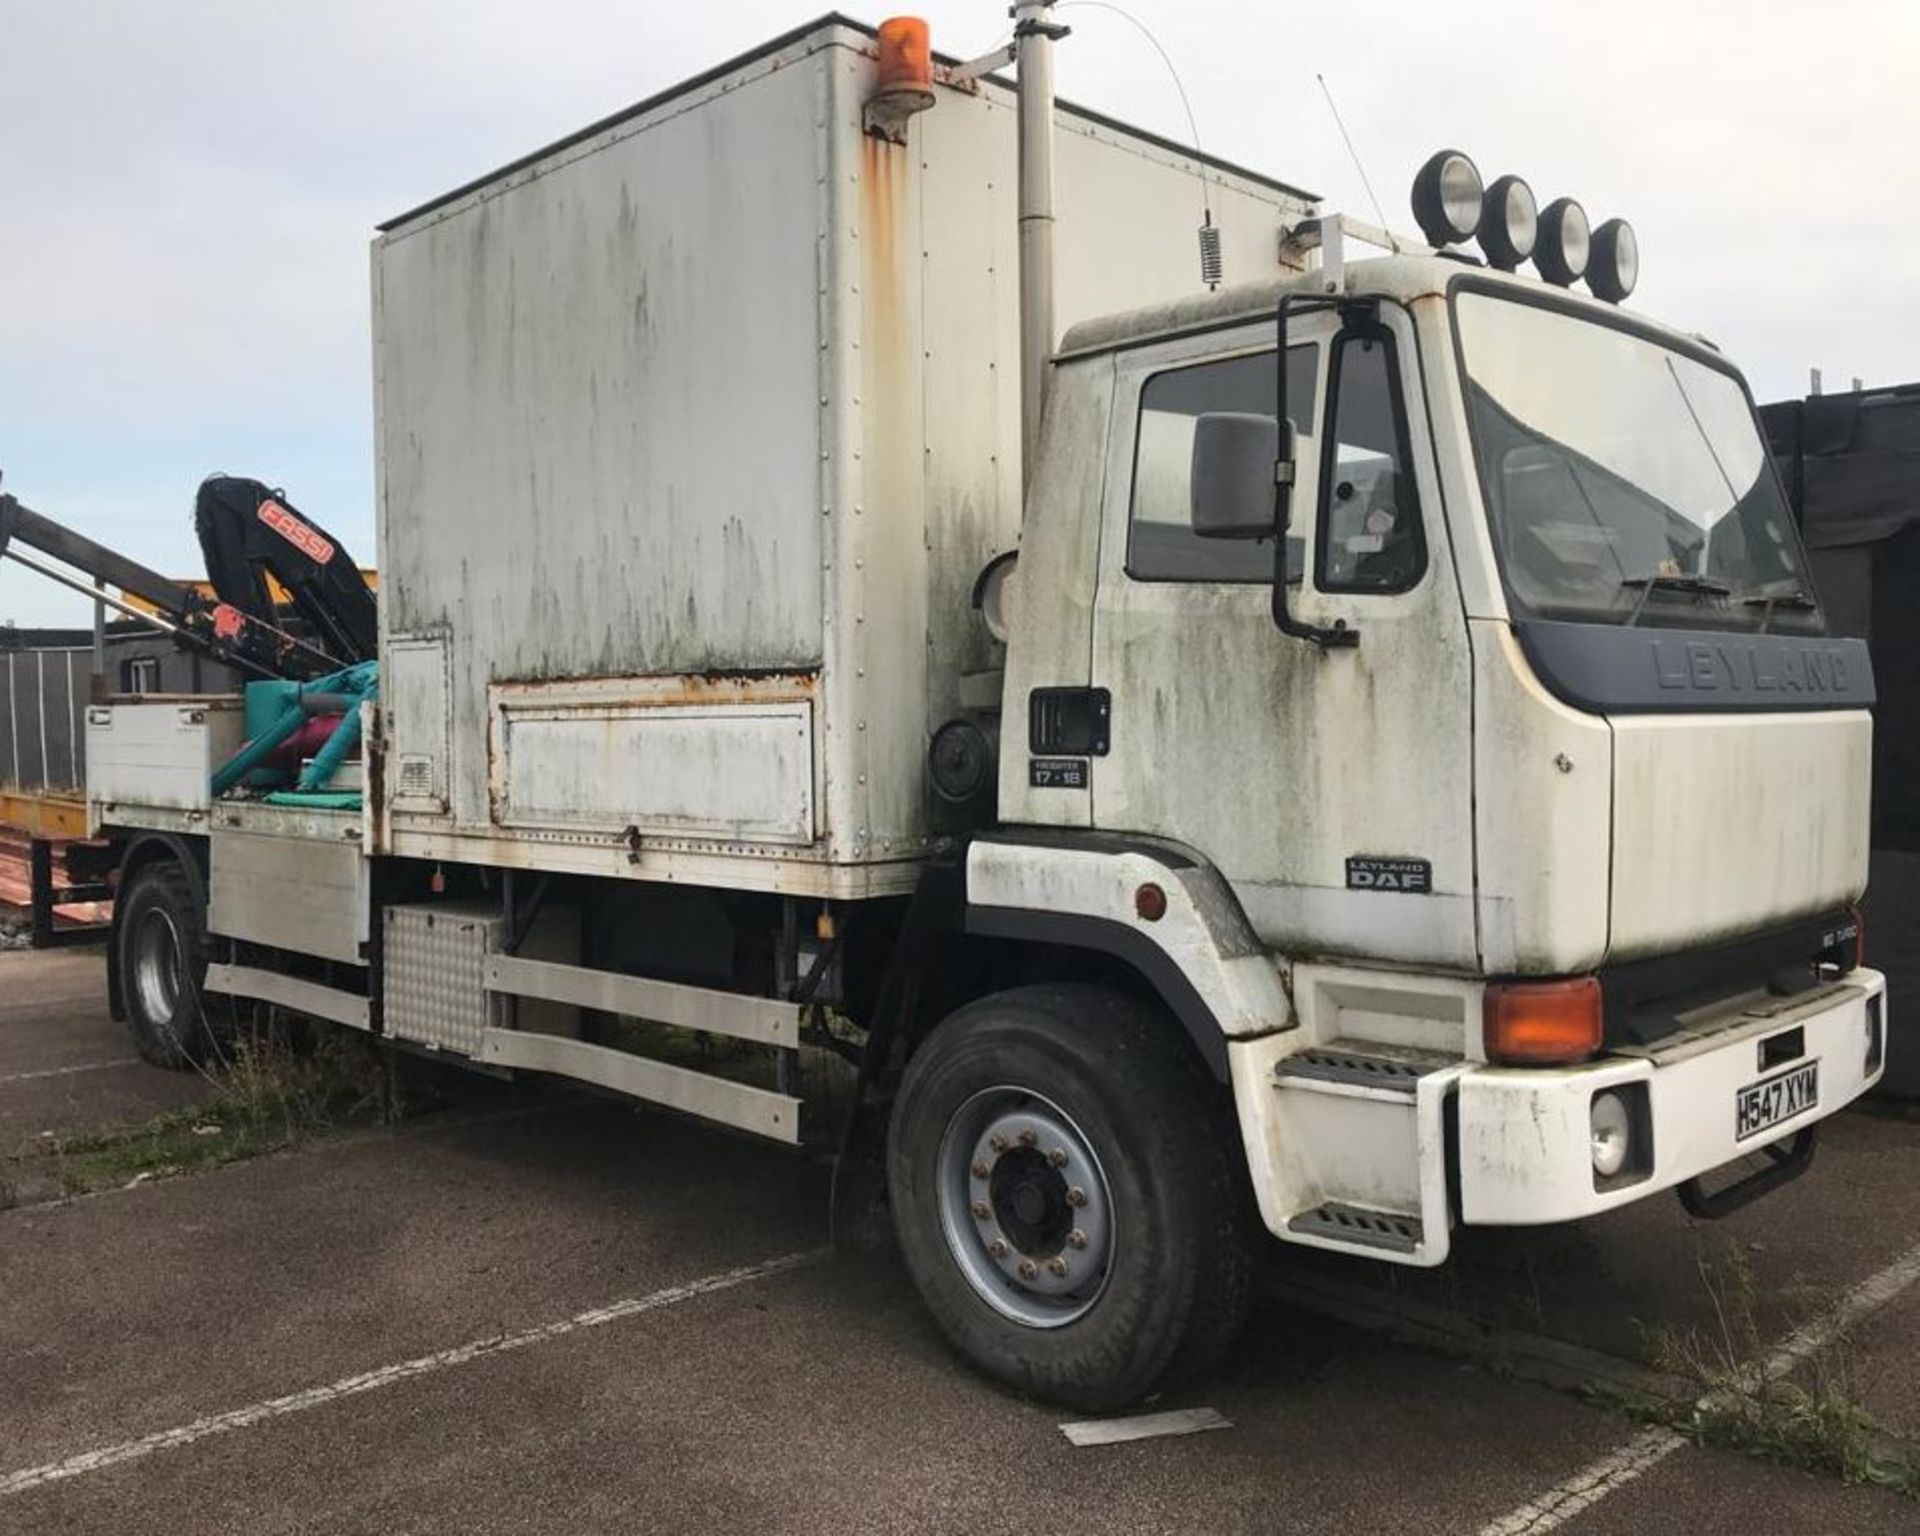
(267,1095)
(1738,1402)
(1820,1429)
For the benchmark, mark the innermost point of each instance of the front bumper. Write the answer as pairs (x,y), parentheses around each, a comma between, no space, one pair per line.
(1525,1155)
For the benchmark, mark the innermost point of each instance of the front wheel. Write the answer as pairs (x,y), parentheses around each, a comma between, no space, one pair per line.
(1067,1197)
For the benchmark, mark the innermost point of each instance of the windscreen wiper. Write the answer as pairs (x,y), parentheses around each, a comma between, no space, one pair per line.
(1694,586)
(1797,598)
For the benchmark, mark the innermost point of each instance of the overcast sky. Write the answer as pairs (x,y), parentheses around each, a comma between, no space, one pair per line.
(188,187)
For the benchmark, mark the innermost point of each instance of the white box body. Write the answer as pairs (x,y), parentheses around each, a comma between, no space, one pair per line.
(694,432)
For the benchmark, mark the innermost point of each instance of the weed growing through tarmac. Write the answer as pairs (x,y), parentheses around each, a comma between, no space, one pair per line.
(269,1093)
(1743,1405)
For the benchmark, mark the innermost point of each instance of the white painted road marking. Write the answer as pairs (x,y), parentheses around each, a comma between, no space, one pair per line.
(389,1375)
(1865,1298)
(1144,1426)
(1597,1479)
(85,1066)
(1587,1487)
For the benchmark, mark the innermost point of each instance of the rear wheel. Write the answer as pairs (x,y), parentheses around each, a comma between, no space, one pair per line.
(1066,1195)
(162,958)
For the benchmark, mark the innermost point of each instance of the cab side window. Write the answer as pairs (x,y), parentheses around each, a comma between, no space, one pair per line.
(1370,537)
(1161,543)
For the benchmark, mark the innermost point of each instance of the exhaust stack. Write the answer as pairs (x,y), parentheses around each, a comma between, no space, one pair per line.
(1034,34)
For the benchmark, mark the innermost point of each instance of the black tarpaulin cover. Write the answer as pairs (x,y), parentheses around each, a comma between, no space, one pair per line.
(1851,463)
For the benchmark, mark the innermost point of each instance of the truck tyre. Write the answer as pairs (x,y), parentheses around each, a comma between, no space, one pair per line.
(161,953)
(1067,1195)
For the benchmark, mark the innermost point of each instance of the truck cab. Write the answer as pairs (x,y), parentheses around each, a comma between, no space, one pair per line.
(1547,815)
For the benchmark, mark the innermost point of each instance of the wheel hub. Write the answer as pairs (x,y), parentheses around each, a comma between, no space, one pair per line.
(1028,1198)
(157,964)
(1025,1207)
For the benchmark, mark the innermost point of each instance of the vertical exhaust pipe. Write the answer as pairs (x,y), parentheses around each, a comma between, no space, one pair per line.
(1034,34)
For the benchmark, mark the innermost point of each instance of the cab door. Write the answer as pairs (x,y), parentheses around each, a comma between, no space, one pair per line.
(1331,787)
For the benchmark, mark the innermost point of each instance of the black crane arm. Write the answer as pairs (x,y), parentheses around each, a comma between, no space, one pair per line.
(249,531)
(77,550)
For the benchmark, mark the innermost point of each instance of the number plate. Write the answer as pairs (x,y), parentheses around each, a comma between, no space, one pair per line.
(1767,1103)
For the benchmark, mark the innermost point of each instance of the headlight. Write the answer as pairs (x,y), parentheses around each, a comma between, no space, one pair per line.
(1614,266)
(1611,1133)
(1509,222)
(1564,244)
(1446,198)
(991,592)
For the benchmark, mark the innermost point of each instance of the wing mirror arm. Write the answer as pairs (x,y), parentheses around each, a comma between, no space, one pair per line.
(1339,635)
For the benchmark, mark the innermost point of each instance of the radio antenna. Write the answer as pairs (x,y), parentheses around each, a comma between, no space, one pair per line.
(1211,264)
(1347,139)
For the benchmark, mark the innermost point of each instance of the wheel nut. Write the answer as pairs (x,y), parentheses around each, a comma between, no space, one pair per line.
(997,1248)
(982,1210)
(1027,1138)
(997,1142)
(1058,1157)
(981,1170)
(1076,1238)
(1076,1196)
(1028,1269)
(1058,1267)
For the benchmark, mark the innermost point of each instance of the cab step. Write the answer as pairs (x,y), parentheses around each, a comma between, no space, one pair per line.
(1356,1226)
(1390,1070)
(1367,1122)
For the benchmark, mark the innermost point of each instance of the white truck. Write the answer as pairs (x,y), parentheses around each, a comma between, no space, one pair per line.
(1404,781)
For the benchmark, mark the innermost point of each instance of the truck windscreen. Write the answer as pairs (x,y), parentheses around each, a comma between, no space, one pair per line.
(1627,481)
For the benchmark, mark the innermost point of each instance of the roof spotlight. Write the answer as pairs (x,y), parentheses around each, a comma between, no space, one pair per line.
(1614,266)
(1509,222)
(1446,198)
(1561,254)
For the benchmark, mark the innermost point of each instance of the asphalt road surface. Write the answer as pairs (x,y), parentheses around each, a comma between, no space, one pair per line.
(541,1313)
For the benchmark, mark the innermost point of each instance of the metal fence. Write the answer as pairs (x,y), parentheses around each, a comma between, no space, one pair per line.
(43,727)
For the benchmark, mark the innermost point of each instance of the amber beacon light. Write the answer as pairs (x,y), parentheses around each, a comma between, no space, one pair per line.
(906,57)
(903,80)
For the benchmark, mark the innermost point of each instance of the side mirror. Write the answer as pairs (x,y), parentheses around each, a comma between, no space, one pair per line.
(1232,482)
